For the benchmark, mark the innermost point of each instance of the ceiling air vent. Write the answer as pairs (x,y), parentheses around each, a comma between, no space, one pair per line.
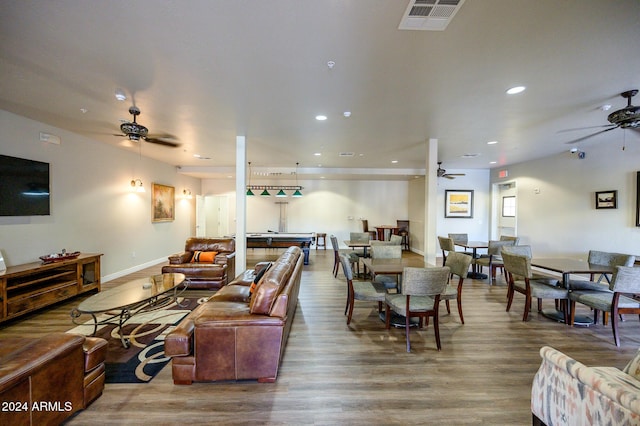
(429,15)
(346,154)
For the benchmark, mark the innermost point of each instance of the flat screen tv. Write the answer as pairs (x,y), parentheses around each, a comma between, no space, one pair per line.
(24,187)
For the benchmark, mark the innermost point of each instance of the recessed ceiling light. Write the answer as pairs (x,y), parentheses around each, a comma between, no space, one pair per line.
(84,110)
(321,177)
(394,161)
(321,117)
(492,142)
(515,90)
(197,155)
(492,162)
(317,154)
(120,95)
(347,113)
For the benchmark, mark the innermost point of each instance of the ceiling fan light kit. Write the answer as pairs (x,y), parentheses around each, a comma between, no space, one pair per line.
(628,116)
(136,131)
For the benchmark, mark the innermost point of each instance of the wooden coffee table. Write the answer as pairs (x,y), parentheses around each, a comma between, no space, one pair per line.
(121,303)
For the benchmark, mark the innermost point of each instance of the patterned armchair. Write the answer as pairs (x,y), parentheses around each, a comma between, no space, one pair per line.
(567,392)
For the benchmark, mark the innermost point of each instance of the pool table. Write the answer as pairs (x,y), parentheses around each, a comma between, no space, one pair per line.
(281,239)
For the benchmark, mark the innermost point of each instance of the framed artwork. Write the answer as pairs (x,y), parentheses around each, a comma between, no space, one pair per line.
(509,206)
(163,203)
(607,200)
(637,198)
(458,203)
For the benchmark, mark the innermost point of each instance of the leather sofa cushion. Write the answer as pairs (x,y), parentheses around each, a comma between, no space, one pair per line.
(270,285)
(232,293)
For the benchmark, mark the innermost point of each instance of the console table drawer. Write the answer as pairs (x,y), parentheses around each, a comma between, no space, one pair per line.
(43,298)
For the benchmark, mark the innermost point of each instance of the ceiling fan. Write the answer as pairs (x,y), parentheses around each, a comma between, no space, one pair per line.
(443,173)
(135,131)
(625,118)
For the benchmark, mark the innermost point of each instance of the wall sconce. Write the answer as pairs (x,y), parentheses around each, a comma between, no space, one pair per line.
(136,185)
(186,194)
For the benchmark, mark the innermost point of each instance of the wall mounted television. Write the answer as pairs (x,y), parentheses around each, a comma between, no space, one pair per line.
(24,187)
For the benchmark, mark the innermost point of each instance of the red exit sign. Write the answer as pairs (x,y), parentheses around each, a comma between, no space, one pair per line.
(503,174)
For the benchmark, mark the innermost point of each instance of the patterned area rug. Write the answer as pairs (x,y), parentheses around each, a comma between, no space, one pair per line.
(146,332)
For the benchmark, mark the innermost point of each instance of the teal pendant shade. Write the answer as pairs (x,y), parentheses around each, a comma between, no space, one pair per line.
(250,193)
(297,194)
(281,194)
(265,193)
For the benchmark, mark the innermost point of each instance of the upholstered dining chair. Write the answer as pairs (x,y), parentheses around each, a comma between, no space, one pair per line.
(460,239)
(459,264)
(360,290)
(395,240)
(420,297)
(601,258)
(359,237)
(365,228)
(538,276)
(493,259)
(386,252)
(625,282)
(447,246)
(353,258)
(520,279)
(515,240)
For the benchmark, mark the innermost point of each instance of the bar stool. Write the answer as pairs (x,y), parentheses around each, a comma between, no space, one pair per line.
(323,236)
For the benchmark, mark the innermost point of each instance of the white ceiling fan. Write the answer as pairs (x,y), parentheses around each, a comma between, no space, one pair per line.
(443,173)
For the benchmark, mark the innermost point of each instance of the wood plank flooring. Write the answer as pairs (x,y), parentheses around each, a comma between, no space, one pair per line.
(361,374)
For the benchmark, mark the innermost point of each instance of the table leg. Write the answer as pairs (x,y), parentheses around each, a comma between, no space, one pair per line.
(305,251)
(474,274)
(558,315)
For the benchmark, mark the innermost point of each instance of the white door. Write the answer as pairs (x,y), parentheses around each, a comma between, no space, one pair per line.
(505,210)
(201,224)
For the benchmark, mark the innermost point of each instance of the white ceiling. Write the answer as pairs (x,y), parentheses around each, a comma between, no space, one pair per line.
(208,70)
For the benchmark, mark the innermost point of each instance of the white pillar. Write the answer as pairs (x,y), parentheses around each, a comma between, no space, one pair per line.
(241,206)
(430,201)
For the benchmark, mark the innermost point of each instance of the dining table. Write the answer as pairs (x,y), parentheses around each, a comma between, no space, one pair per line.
(364,245)
(566,267)
(474,246)
(386,231)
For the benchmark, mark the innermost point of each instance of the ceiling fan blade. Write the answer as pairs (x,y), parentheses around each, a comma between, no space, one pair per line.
(449,176)
(456,174)
(163,141)
(586,128)
(591,135)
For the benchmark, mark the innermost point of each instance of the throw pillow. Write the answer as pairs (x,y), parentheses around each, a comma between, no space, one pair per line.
(256,280)
(204,256)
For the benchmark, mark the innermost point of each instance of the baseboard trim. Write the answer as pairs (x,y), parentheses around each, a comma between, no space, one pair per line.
(119,274)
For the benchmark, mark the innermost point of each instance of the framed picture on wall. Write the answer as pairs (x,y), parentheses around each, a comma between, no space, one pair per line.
(458,203)
(607,200)
(637,198)
(163,203)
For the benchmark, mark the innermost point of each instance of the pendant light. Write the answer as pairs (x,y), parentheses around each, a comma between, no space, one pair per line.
(249,191)
(297,193)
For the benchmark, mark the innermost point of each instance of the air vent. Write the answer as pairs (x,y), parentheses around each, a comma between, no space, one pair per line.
(346,154)
(429,15)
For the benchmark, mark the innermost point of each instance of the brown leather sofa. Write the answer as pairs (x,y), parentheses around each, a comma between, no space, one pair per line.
(235,335)
(205,275)
(44,381)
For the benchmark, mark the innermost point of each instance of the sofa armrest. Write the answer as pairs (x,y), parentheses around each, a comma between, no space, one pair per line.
(95,352)
(180,341)
(179,258)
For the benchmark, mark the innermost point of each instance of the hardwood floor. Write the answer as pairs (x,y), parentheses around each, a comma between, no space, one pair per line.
(361,374)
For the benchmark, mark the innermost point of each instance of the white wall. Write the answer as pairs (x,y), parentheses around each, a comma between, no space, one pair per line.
(92,207)
(330,206)
(562,218)
(477,227)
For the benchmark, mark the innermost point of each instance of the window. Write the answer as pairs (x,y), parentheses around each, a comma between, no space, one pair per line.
(509,206)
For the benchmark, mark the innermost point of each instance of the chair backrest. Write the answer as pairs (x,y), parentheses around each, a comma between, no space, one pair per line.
(626,279)
(360,237)
(334,243)
(517,264)
(458,263)
(495,247)
(519,250)
(386,252)
(346,266)
(365,225)
(611,259)
(510,238)
(459,238)
(395,240)
(446,244)
(425,281)
(403,225)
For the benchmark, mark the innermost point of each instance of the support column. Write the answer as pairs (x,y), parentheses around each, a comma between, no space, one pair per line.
(241,206)
(431,202)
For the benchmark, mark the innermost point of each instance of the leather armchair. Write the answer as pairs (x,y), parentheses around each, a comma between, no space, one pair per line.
(205,275)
